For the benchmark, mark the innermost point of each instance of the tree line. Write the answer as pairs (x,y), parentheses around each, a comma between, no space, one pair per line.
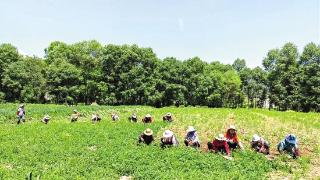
(88,72)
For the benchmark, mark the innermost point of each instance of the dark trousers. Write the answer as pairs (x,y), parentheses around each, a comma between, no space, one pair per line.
(233,145)
(165,144)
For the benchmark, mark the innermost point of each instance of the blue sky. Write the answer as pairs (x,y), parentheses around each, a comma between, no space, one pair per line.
(211,29)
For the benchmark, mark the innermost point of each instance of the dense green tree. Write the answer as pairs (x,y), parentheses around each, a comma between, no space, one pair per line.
(63,81)
(130,73)
(283,72)
(8,54)
(86,56)
(88,72)
(309,78)
(239,64)
(25,80)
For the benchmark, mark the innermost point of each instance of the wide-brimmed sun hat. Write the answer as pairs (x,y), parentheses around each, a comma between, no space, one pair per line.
(21,105)
(169,114)
(148,132)
(167,134)
(220,137)
(75,110)
(291,138)
(191,129)
(232,127)
(256,138)
(148,116)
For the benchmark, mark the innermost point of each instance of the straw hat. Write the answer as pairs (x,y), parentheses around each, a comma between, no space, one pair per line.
(148,132)
(221,137)
(167,134)
(256,138)
(191,129)
(148,116)
(291,138)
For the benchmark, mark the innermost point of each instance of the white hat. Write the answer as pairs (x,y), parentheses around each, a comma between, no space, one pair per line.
(168,114)
(256,138)
(148,116)
(167,134)
(21,105)
(232,127)
(191,129)
(74,110)
(221,137)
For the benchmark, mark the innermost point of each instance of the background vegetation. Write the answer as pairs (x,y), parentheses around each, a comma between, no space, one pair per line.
(87,72)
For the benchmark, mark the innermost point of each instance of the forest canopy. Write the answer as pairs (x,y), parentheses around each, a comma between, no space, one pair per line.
(89,72)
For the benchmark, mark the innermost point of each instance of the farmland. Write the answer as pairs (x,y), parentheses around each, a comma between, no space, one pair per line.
(108,150)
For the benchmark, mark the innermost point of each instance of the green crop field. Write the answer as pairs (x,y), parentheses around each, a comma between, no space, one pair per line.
(108,150)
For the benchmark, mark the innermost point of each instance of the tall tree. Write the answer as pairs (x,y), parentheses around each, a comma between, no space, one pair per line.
(63,81)
(86,55)
(282,69)
(130,73)
(309,78)
(8,55)
(25,80)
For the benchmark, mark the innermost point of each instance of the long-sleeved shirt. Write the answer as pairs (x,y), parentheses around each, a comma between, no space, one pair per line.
(284,145)
(146,139)
(232,139)
(170,141)
(260,145)
(193,137)
(21,112)
(220,145)
(291,148)
(147,120)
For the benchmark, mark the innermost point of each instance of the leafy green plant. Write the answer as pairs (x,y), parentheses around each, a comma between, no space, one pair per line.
(109,150)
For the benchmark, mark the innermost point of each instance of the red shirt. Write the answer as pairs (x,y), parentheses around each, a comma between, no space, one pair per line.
(216,145)
(234,138)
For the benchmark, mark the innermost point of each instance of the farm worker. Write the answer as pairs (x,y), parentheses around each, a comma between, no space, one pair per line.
(46,119)
(133,118)
(232,138)
(146,137)
(75,115)
(115,117)
(21,114)
(192,138)
(168,139)
(177,103)
(219,144)
(147,119)
(95,117)
(260,145)
(289,145)
(168,117)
